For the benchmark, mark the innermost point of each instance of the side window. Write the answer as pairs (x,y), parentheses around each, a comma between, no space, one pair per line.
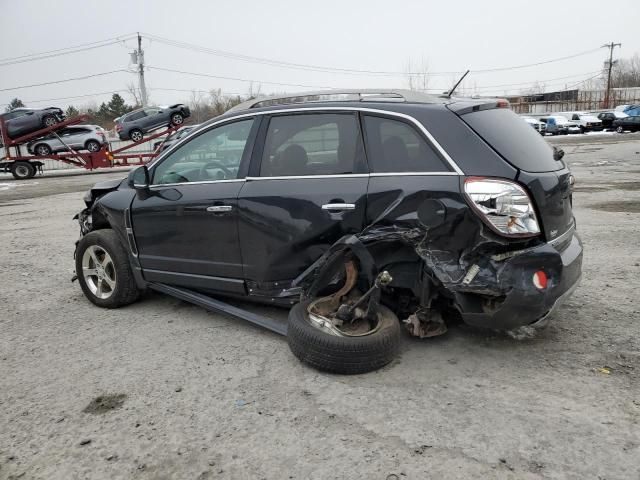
(311,144)
(212,155)
(395,146)
(575,117)
(151,111)
(135,116)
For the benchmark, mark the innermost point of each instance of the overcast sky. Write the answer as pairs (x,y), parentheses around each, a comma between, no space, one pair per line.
(368,35)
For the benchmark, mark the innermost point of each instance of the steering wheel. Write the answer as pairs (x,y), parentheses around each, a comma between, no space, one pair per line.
(214,164)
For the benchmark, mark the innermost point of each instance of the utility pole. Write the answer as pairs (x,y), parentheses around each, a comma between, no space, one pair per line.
(607,94)
(143,87)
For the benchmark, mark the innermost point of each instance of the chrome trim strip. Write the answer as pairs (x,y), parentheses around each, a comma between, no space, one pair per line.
(416,174)
(164,185)
(564,236)
(326,109)
(293,177)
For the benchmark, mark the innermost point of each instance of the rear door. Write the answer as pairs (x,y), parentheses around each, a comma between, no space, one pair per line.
(307,188)
(406,169)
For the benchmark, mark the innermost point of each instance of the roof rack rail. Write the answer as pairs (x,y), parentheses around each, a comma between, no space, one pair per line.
(366,95)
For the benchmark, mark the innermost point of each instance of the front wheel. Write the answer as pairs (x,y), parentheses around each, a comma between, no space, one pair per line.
(49,121)
(103,270)
(352,350)
(620,129)
(177,119)
(42,150)
(22,170)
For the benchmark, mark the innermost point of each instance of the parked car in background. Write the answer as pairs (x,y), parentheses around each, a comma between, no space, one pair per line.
(537,125)
(430,205)
(631,124)
(607,118)
(173,138)
(587,122)
(133,125)
(22,121)
(559,125)
(78,137)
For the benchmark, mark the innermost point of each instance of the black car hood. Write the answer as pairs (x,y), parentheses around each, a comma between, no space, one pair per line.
(101,188)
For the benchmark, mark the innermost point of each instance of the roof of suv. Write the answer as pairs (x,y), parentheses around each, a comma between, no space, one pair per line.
(349,95)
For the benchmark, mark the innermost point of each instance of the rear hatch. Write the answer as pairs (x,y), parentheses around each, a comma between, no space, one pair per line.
(547,179)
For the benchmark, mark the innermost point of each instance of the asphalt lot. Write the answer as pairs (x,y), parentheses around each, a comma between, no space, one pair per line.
(183,393)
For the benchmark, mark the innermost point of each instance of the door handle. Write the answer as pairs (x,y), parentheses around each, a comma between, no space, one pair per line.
(333,207)
(219,208)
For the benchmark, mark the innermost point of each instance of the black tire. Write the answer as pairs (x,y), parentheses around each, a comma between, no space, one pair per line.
(49,121)
(346,355)
(42,150)
(22,170)
(583,130)
(136,135)
(619,129)
(93,146)
(177,119)
(125,290)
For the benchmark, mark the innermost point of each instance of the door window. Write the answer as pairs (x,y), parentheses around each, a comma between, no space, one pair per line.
(151,111)
(213,155)
(395,146)
(135,116)
(316,144)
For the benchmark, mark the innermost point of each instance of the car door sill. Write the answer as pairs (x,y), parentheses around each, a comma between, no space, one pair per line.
(218,306)
(231,285)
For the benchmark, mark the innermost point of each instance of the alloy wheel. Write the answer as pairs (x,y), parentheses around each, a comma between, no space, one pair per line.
(99,271)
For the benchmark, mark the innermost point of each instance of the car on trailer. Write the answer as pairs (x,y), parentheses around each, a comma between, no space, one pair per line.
(361,211)
(77,137)
(133,125)
(22,121)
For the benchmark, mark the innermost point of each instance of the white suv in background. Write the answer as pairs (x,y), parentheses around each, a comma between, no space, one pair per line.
(586,121)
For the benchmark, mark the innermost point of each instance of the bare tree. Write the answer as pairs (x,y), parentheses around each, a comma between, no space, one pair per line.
(199,107)
(135,93)
(626,72)
(220,103)
(417,74)
(253,91)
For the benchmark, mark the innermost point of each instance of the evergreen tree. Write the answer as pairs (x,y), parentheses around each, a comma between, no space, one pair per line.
(15,103)
(71,111)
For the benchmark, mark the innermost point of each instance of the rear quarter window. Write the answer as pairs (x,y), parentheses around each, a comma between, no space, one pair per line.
(513,139)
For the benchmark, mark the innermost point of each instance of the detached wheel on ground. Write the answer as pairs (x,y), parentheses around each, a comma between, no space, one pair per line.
(358,351)
(136,135)
(177,119)
(103,270)
(22,170)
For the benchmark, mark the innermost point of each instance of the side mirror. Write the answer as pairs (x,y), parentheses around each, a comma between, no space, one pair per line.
(139,178)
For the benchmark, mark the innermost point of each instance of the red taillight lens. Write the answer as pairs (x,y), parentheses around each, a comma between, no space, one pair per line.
(540,280)
(118,127)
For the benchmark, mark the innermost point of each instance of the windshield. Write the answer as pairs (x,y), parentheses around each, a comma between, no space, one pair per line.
(513,139)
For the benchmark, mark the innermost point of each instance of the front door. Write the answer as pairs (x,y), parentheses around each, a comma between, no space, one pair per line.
(185,225)
(307,188)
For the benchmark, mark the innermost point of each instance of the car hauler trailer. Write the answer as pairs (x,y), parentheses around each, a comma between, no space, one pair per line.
(26,166)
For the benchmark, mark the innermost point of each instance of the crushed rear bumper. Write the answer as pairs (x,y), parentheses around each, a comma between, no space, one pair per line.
(523,303)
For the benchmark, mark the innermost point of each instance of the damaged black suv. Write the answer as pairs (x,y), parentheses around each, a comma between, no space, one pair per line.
(363,210)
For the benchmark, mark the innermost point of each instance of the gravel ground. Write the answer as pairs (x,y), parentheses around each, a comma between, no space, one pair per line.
(163,389)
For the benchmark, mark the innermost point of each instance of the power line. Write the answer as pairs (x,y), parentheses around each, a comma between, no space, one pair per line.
(27,102)
(220,77)
(63,51)
(321,68)
(64,80)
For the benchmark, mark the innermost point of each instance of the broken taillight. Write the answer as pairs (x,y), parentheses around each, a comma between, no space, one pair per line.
(504,205)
